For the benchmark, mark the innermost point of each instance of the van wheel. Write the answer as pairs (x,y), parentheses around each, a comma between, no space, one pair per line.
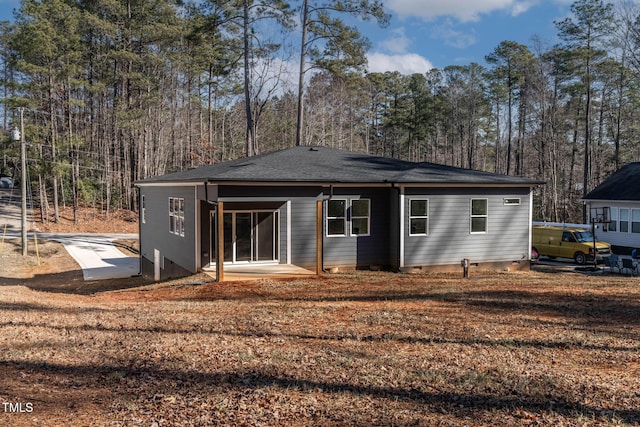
(580,258)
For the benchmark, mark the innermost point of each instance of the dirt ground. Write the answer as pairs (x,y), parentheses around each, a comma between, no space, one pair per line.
(361,348)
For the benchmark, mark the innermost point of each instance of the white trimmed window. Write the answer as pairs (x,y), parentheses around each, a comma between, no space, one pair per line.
(624,220)
(635,220)
(143,210)
(348,217)
(613,225)
(418,217)
(360,215)
(479,215)
(176,216)
(336,217)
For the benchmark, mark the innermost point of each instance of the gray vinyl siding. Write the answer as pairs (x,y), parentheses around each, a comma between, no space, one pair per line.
(303,232)
(155,234)
(450,240)
(394,228)
(361,251)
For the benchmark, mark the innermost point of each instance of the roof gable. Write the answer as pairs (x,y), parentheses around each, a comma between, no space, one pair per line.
(328,165)
(622,185)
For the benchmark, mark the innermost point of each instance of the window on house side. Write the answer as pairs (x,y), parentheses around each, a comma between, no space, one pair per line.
(635,220)
(360,214)
(613,225)
(624,220)
(336,217)
(176,216)
(419,217)
(143,210)
(479,215)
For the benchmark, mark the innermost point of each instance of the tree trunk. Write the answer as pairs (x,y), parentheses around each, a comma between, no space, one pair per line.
(303,53)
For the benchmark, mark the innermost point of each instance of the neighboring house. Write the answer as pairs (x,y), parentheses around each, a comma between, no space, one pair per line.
(322,208)
(621,194)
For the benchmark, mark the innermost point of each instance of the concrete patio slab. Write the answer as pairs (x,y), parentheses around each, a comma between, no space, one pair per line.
(241,272)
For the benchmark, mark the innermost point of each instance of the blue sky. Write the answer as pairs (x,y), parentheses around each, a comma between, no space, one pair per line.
(436,33)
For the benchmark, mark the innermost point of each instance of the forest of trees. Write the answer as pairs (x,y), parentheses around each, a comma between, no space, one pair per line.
(114,91)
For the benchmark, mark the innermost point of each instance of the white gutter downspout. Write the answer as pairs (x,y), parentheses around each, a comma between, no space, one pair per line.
(530,222)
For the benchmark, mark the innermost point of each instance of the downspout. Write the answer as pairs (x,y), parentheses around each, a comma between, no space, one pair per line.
(401,214)
(198,231)
(139,231)
(530,222)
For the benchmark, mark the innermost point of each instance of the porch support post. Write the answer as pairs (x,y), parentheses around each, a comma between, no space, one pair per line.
(319,237)
(220,243)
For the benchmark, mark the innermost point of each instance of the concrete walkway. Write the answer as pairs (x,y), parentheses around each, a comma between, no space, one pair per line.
(10,211)
(95,253)
(98,257)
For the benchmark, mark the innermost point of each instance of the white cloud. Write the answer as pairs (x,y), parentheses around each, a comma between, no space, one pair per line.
(406,63)
(522,7)
(450,36)
(398,43)
(462,10)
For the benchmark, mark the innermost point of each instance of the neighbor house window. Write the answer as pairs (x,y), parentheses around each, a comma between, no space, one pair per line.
(624,220)
(176,216)
(635,220)
(336,217)
(613,225)
(479,215)
(360,213)
(418,217)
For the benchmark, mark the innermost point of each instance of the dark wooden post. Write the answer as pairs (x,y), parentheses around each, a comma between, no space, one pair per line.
(220,243)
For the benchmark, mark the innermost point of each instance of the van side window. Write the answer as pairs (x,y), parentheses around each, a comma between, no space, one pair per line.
(568,237)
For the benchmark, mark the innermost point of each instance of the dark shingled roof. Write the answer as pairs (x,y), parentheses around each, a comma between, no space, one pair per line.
(328,165)
(622,185)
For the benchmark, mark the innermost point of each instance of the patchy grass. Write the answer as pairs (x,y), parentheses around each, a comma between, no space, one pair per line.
(357,349)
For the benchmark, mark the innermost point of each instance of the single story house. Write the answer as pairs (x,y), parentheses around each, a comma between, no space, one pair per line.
(321,208)
(620,193)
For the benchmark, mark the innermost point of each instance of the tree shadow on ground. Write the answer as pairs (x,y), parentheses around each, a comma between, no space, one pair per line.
(72,282)
(144,384)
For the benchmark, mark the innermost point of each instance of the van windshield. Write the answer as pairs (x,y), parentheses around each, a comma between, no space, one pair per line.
(584,236)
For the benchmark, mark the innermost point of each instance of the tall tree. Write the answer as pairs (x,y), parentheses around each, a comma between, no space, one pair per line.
(256,49)
(49,52)
(510,60)
(583,34)
(343,48)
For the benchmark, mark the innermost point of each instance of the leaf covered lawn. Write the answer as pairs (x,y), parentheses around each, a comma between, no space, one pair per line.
(359,348)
